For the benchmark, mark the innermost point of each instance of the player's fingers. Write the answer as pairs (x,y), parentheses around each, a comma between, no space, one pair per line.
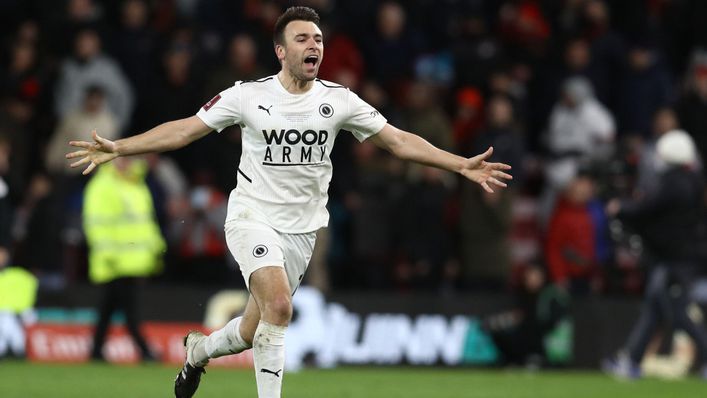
(99,139)
(76,154)
(500,166)
(486,187)
(105,144)
(81,162)
(486,154)
(500,174)
(479,159)
(497,182)
(89,168)
(81,144)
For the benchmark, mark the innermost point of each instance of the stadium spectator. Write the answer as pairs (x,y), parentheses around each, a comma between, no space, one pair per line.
(39,222)
(197,235)
(91,113)
(475,45)
(643,88)
(485,220)
(241,64)
(606,45)
(580,131)
(423,113)
(512,82)
(175,94)
(468,119)
(521,333)
(125,244)
(16,117)
(579,126)
(393,44)
(576,62)
(89,66)
(63,20)
(524,28)
(135,46)
(24,76)
(692,105)
(343,58)
(422,257)
(6,205)
(570,247)
(378,188)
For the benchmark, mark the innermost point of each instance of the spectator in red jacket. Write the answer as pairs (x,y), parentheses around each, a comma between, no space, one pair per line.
(569,249)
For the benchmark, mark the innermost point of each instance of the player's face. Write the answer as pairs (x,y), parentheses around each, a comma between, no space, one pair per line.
(303,50)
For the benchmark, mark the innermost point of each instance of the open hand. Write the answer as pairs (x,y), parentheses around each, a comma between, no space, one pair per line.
(480,171)
(99,151)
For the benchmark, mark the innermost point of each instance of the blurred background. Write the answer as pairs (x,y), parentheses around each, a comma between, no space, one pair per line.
(572,93)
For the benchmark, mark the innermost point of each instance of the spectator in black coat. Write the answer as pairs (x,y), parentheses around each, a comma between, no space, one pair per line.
(669,219)
(644,87)
(692,106)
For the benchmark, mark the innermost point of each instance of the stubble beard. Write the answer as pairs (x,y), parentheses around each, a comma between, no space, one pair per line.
(299,76)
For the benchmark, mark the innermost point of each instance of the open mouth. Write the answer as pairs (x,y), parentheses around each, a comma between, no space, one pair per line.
(312,60)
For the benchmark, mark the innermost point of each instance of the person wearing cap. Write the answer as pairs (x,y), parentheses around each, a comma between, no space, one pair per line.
(669,219)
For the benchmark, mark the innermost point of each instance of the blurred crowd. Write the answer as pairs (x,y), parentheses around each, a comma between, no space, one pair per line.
(571,93)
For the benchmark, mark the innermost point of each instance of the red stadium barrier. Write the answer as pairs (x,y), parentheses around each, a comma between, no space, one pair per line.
(49,342)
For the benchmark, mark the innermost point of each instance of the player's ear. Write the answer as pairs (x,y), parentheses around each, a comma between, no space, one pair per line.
(280,52)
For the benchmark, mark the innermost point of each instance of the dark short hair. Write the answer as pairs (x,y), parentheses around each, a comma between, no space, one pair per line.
(298,13)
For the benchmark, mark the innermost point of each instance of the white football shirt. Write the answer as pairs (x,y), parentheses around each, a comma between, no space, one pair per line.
(285,168)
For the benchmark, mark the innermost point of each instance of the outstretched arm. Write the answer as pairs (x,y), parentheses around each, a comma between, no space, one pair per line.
(412,147)
(165,137)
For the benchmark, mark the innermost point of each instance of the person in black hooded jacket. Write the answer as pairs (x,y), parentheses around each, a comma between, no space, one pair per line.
(669,219)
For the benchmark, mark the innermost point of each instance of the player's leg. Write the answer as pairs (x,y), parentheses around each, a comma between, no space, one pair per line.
(271,289)
(254,245)
(235,337)
(251,318)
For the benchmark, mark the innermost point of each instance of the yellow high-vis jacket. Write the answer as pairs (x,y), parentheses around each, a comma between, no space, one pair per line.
(18,290)
(123,237)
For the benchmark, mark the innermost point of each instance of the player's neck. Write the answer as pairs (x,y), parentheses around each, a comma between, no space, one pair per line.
(294,85)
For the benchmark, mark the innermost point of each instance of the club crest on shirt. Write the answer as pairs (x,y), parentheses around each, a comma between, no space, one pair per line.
(326,110)
(260,251)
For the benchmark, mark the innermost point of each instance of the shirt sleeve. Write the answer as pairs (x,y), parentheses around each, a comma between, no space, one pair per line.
(363,120)
(223,110)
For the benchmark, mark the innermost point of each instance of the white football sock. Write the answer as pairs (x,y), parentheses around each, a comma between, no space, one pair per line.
(269,359)
(225,341)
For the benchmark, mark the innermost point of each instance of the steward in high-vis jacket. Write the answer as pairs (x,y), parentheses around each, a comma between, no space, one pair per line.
(124,243)
(18,293)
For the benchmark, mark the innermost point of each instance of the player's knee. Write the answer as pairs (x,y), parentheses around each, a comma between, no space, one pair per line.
(279,310)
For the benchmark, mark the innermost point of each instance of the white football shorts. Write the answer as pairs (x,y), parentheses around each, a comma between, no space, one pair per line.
(255,245)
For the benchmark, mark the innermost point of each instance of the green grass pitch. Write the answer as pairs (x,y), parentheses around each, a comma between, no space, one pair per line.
(20,380)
